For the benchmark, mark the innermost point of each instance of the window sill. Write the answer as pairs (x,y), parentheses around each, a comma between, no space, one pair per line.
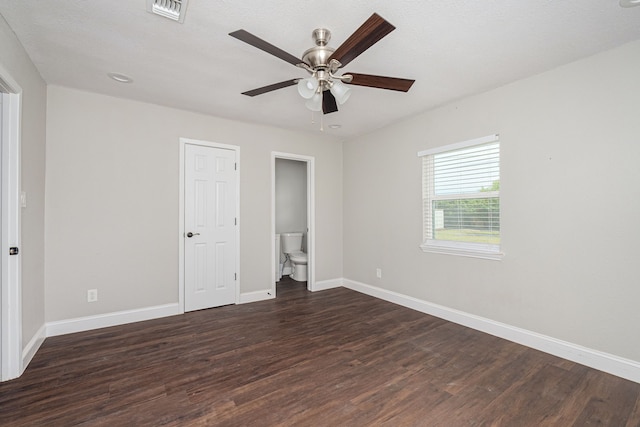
(491,252)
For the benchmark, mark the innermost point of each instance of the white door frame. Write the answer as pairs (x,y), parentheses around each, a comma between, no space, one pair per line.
(311,217)
(181,230)
(11,298)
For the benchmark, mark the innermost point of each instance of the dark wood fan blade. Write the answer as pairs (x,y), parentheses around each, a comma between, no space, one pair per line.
(369,33)
(381,82)
(329,104)
(254,41)
(275,86)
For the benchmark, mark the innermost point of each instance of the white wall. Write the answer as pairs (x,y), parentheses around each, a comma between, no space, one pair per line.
(14,59)
(291,196)
(570,206)
(112,200)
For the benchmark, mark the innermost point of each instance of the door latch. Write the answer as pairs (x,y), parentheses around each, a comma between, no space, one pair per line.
(13,251)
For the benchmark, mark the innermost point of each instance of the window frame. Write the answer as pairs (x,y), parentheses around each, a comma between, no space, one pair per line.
(467,249)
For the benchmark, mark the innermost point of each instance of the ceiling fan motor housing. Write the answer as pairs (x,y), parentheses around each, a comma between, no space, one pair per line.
(318,56)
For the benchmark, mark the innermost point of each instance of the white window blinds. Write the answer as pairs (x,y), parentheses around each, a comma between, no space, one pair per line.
(461,196)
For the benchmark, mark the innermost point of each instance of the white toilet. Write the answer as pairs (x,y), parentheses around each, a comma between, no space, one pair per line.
(292,247)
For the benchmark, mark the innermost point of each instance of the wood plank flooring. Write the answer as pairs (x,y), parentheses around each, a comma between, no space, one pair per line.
(332,358)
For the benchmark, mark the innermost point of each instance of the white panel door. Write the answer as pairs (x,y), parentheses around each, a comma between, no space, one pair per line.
(210,221)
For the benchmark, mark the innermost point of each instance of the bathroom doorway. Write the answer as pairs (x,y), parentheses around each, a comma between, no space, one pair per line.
(292,210)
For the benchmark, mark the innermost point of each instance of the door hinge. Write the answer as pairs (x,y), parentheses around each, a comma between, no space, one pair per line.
(235,220)
(235,166)
(13,251)
(235,276)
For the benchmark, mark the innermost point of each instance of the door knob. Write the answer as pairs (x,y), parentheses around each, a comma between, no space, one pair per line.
(190,234)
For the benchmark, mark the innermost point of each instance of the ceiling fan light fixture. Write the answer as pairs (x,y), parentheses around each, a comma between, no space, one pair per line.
(307,87)
(315,102)
(340,91)
(323,63)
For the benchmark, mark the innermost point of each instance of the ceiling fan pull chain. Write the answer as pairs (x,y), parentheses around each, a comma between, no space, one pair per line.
(321,122)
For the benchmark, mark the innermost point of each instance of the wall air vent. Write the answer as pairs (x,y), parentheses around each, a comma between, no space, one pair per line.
(172,9)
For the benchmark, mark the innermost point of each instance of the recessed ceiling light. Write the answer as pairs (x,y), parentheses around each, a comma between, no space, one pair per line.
(629,3)
(335,126)
(120,78)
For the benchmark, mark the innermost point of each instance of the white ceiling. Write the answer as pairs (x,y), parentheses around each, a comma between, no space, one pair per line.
(451,48)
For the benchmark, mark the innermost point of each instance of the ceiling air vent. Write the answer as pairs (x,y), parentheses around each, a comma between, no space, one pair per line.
(172,9)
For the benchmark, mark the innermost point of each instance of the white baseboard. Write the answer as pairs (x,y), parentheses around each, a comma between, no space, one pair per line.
(255,296)
(32,346)
(88,323)
(615,365)
(327,284)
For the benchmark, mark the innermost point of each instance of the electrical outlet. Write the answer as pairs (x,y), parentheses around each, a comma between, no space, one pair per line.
(92,295)
(379,273)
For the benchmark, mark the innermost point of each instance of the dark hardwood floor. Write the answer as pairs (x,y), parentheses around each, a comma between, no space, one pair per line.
(332,358)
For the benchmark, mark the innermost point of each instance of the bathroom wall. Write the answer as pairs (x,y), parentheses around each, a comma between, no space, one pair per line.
(291,197)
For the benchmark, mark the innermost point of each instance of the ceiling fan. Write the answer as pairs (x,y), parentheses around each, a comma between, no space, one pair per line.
(324,90)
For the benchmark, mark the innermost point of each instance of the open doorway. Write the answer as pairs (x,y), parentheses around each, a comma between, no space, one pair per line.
(293,220)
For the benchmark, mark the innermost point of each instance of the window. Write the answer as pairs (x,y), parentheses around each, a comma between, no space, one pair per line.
(461,198)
